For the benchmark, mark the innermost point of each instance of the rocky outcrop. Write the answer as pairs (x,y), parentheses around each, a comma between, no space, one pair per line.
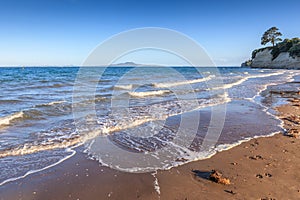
(247,63)
(264,59)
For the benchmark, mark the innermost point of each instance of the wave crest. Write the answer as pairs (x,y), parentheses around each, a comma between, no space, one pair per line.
(173,84)
(123,87)
(5,121)
(149,93)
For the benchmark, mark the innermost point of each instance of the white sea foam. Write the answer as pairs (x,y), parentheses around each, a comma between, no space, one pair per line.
(190,156)
(68,142)
(156,184)
(149,93)
(186,82)
(242,80)
(27,149)
(52,103)
(123,87)
(76,139)
(258,94)
(33,148)
(185,153)
(290,78)
(7,120)
(55,102)
(73,152)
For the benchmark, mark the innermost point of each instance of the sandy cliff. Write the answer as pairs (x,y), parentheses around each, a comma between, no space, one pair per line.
(264,59)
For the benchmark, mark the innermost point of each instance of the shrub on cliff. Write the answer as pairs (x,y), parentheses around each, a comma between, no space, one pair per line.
(295,50)
(288,45)
(281,47)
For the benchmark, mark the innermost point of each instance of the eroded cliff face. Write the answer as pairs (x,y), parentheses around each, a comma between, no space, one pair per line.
(263,59)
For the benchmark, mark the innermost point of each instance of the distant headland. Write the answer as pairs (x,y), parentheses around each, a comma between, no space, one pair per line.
(133,64)
(282,54)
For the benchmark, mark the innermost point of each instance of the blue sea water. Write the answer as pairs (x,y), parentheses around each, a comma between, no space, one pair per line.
(38,127)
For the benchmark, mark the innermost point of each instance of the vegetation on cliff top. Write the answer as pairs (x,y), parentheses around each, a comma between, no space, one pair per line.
(288,45)
(292,46)
(271,35)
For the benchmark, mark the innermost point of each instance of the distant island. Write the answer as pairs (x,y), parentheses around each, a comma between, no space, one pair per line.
(133,64)
(284,54)
(128,64)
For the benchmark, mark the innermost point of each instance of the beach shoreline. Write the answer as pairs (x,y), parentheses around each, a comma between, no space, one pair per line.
(149,100)
(258,169)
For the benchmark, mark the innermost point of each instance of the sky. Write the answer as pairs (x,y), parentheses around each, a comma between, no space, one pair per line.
(64,32)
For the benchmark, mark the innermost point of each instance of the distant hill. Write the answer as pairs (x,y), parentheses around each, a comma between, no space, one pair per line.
(127,64)
(133,64)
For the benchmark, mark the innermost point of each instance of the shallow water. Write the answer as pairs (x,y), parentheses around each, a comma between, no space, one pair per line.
(135,111)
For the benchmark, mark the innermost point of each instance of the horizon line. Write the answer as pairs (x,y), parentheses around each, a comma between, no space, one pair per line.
(70,66)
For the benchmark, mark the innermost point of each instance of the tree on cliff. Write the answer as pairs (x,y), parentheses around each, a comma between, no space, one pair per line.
(272,35)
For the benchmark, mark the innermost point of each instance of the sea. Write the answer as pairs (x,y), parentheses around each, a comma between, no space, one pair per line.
(133,119)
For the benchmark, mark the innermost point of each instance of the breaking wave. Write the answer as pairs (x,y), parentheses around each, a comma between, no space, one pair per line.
(230,85)
(123,87)
(149,93)
(7,120)
(186,82)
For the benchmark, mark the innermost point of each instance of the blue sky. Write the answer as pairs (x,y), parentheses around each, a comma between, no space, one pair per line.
(64,32)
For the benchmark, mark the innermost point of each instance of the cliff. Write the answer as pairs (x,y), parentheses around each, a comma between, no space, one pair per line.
(264,59)
(284,55)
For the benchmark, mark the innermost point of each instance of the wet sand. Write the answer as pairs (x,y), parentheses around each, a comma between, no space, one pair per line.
(263,168)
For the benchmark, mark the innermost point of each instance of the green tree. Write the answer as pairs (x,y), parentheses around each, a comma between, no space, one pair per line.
(272,35)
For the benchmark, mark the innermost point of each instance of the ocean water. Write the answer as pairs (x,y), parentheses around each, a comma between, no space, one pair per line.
(46,112)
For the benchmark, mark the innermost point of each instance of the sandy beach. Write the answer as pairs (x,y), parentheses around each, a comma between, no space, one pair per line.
(149,100)
(262,168)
